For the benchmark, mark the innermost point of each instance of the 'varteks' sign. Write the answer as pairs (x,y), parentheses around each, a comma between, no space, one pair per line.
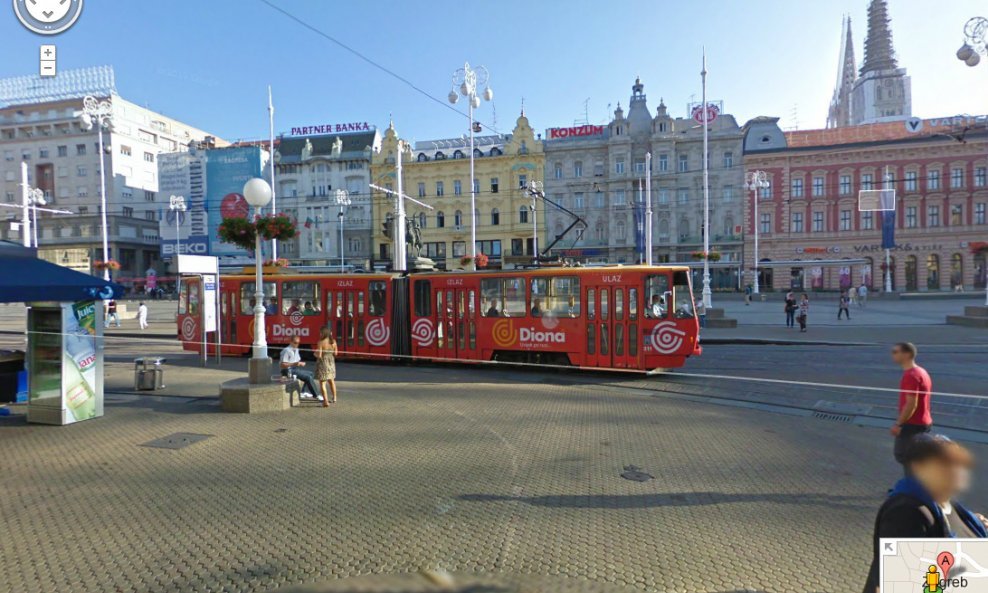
(331,129)
(574,132)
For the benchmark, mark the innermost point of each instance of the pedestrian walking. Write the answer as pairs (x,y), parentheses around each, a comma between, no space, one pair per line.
(142,315)
(701,312)
(291,366)
(790,308)
(862,295)
(844,306)
(924,503)
(326,351)
(111,313)
(747,295)
(915,389)
(804,311)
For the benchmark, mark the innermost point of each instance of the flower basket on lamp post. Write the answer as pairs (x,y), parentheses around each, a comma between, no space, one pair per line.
(481,260)
(110,264)
(238,231)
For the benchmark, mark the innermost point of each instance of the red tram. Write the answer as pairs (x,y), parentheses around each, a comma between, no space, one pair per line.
(631,317)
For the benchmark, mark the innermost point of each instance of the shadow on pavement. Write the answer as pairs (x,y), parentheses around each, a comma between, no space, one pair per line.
(164,404)
(684,499)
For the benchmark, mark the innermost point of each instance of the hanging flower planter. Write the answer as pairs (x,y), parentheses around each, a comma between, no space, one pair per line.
(465,260)
(481,260)
(277,263)
(243,232)
(702,255)
(110,264)
(276,227)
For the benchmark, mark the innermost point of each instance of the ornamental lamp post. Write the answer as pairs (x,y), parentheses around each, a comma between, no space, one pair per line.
(343,201)
(756,181)
(35,198)
(258,194)
(466,81)
(99,114)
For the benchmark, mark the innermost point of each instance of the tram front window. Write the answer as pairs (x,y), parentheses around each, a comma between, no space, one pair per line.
(683,294)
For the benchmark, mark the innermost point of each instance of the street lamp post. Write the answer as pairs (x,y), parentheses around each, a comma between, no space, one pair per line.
(99,114)
(707,295)
(535,192)
(177,205)
(466,80)
(343,201)
(975,38)
(258,194)
(756,181)
(35,198)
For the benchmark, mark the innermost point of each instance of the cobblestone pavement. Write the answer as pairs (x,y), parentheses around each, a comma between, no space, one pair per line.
(445,468)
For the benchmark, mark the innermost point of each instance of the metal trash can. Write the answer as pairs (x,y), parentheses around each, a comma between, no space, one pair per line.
(148,374)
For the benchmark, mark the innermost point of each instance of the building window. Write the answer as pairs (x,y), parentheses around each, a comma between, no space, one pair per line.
(124,150)
(63,150)
(684,163)
(42,153)
(457,187)
(458,219)
(148,196)
(494,185)
(459,248)
(845,185)
(765,224)
(578,169)
(867,181)
(933,180)
(495,217)
(517,247)
(80,171)
(640,166)
(912,181)
(765,192)
(476,186)
(81,192)
(728,193)
(979,213)
(933,216)
(423,221)
(867,220)
(728,160)
(912,220)
(149,215)
(80,149)
(797,188)
(956,215)
(845,220)
(128,211)
(818,222)
(683,195)
(980,177)
(440,220)
(663,163)
(421,189)
(619,166)
(663,196)
(439,188)
(578,201)
(797,222)
(956,178)
(523,214)
(817,187)
(557,171)
(148,157)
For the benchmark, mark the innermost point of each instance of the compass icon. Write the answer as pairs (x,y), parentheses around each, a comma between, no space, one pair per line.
(47,17)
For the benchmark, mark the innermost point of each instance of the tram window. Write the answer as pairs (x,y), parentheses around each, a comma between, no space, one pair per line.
(503,297)
(604,310)
(339,305)
(632,303)
(591,302)
(557,297)
(591,337)
(302,297)
(360,303)
(473,335)
(423,298)
(360,332)
(460,309)
(684,296)
(247,301)
(618,338)
(633,339)
(471,304)
(349,305)
(657,295)
(604,341)
(439,303)
(378,298)
(619,305)
(450,303)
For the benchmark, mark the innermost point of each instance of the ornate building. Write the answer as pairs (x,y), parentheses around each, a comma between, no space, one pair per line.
(881,91)
(437,172)
(596,172)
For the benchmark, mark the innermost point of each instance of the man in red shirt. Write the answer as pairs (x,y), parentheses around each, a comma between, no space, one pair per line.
(914,400)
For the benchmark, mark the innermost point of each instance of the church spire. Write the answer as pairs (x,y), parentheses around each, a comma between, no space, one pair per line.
(840,104)
(878,52)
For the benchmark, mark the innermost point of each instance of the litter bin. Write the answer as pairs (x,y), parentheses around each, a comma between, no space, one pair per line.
(148,374)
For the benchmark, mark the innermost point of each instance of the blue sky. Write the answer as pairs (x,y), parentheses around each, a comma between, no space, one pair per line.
(209,62)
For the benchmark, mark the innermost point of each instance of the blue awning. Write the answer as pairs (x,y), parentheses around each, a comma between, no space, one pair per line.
(24,278)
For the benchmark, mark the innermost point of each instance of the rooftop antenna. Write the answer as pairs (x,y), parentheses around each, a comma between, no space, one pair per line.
(493,116)
(582,121)
(794,117)
(607,116)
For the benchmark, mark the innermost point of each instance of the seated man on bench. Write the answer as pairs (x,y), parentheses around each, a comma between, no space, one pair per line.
(291,366)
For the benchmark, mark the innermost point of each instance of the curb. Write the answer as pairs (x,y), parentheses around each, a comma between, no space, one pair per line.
(776,342)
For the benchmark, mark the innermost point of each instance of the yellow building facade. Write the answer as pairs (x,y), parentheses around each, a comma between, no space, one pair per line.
(437,173)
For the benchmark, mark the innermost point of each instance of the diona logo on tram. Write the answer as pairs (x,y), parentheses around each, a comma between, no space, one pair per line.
(280,330)
(505,335)
(423,332)
(377,333)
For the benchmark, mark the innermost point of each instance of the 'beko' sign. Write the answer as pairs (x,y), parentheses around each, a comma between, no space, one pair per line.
(331,129)
(574,132)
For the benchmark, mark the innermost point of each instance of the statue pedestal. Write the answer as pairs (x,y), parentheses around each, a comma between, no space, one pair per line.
(421,264)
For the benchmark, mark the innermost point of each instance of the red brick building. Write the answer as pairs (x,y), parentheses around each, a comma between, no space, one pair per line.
(809,223)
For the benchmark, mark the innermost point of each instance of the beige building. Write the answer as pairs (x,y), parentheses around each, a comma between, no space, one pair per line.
(437,173)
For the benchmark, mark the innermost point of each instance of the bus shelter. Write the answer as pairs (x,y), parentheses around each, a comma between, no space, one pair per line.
(64,334)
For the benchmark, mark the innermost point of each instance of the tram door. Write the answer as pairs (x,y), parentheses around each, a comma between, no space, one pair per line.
(610,342)
(228,319)
(456,323)
(347,310)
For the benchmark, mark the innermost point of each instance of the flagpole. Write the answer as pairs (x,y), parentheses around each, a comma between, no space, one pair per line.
(888,251)
(638,205)
(707,304)
(648,208)
(274,199)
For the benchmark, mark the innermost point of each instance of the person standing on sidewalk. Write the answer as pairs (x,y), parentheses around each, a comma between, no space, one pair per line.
(844,306)
(862,295)
(915,389)
(111,313)
(804,311)
(701,312)
(142,316)
(790,309)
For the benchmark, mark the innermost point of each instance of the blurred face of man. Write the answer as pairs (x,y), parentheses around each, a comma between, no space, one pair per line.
(296,341)
(900,356)
(940,478)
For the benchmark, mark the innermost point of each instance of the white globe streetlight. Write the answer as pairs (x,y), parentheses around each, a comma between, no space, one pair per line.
(755,182)
(343,201)
(258,194)
(99,114)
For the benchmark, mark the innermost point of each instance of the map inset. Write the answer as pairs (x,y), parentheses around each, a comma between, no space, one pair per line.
(934,565)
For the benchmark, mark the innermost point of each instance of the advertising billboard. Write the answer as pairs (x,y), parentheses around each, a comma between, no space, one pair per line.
(227,170)
(183,174)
